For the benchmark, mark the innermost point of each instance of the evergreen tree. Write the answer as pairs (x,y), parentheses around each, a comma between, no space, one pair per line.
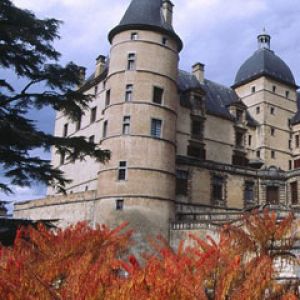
(26,48)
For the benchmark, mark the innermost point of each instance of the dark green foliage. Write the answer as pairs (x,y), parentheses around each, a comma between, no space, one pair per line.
(26,49)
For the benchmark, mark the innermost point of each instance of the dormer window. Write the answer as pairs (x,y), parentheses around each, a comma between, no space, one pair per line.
(239,115)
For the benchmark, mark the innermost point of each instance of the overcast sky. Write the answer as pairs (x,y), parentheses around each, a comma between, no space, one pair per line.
(221,34)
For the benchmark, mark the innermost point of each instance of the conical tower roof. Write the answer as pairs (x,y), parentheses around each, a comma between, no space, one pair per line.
(145,15)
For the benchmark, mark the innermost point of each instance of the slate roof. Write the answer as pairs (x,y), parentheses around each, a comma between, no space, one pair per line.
(264,62)
(145,14)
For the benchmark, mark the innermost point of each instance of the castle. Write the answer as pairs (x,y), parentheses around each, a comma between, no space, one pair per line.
(184,149)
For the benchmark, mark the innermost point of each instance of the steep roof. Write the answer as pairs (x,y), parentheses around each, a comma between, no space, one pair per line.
(264,62)
(146,15)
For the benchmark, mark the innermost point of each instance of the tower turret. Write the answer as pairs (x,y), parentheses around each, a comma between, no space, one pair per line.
(138,183)
(264,40)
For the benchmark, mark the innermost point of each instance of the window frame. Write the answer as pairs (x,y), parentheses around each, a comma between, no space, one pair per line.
(154,99)
(107,97)
(154,130)
(93,116)
(120,204)
(126,125)
(134,36)
(105,129)
(122,170)
(131,61)
(128,92)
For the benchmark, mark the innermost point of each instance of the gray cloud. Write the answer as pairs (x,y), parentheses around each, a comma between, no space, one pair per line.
(221,34)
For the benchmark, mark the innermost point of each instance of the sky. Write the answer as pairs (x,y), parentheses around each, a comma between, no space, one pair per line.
(221,34)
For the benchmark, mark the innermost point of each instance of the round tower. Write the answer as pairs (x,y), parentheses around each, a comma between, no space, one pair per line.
(139,128)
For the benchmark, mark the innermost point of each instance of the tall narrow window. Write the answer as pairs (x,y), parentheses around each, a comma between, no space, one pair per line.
(128,92)
(131,61)
(272,111)
(78,123)
(290,165)
(126,125)
(249,140)
(122,170)
(218,189)
(164,40)
(181,182)
(65,131)
(157,95)
(105,125)
(119,204)
(107,98)
(249,192)
(287,94)
(294,192)
(62,157)
(297,141)
(197,129)
(272,131)
(290,144)
(253,89)
(96,90)
(257,110)
(156,128)
(134,36)
(93,114)
(273,154)
(274,88)
(258,154)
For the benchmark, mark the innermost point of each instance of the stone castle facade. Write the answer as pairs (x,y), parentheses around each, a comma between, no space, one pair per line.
(184,148)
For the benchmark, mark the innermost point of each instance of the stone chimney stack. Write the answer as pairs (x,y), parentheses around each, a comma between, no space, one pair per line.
(100,65)
(82,76)
(198,71)
(167,10)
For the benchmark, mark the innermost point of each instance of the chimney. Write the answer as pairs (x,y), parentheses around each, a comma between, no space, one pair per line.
(198,71)
(81,76)
(167,10)
(100,65)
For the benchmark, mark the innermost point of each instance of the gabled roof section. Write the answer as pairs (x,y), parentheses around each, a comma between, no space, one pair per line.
(145,15)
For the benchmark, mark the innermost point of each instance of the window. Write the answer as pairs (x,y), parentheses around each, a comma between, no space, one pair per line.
(272,110)
(65,131)
(107,98)
(96,90)
(290,144)
(294,192)
(164,40)
(257,110)
(217,189)
(134,36)
(181,182)
(273,154)
(105,125)
(92,139)
(122,170)
(290,165)
(156,128)
(93,114)
(258,154)
(78,123)
(197,129)
(297,163)
(62,157)
(249,140)
(253,89)
(287,94)
(239,115)
(128,92)
(197,102)
(272,131)
(249,192)
(297,141)
(126,125)
(131,62)
(239,139)
(119,204)
(157,95)
(196,151)
(274,89)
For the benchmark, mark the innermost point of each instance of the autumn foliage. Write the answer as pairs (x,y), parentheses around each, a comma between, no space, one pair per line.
(84,263)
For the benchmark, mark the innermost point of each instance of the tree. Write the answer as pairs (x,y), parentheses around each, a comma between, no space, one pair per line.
(84,263)
(26,48)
